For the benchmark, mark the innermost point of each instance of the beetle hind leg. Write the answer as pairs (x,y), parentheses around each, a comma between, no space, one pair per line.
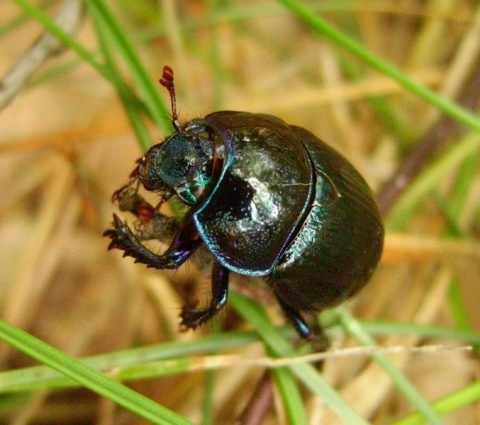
(296,319)
(192,317)
(311,333)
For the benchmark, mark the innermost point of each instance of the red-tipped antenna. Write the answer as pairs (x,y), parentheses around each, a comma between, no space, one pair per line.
(167,82)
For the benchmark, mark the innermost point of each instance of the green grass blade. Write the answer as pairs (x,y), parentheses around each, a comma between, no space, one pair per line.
(69,41)
(398,378)
(132,105)
(307,373)
(456,400)
(158,110)
(429,178)
(36,377)
(320,26)
(88,377)
(291,396)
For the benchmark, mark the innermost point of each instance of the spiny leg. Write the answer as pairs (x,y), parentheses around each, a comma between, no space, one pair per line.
(191,318)
(183,245)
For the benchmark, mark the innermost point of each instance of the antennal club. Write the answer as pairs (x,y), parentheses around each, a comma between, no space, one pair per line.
(167,82)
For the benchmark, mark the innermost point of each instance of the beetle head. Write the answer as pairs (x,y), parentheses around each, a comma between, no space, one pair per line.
(182,163)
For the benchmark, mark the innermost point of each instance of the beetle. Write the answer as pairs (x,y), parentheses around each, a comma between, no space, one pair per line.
(266,199)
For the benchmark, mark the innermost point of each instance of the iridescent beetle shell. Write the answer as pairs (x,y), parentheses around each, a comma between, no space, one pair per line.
(266,199)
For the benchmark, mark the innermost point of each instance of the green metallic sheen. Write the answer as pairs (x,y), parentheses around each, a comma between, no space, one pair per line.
(290,207)
(340,242)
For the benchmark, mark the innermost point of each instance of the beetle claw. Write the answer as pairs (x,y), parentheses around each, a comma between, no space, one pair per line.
(122,237)
(117,221)
(192,318)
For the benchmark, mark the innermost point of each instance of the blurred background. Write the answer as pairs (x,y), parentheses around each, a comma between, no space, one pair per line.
(76,114)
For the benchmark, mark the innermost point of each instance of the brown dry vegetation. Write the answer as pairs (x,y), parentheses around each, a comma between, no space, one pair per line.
(66,145)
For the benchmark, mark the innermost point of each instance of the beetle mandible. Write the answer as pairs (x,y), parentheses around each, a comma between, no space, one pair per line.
(266,199)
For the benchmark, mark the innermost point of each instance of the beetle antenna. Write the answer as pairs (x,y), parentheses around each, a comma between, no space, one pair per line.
(167,82)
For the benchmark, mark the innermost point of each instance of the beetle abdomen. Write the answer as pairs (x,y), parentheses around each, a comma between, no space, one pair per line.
(341,240)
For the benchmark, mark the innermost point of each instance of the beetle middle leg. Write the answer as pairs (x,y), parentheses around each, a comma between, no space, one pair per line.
(192,317)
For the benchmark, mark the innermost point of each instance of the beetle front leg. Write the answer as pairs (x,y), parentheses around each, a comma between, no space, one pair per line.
(183,245)
(191,317)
